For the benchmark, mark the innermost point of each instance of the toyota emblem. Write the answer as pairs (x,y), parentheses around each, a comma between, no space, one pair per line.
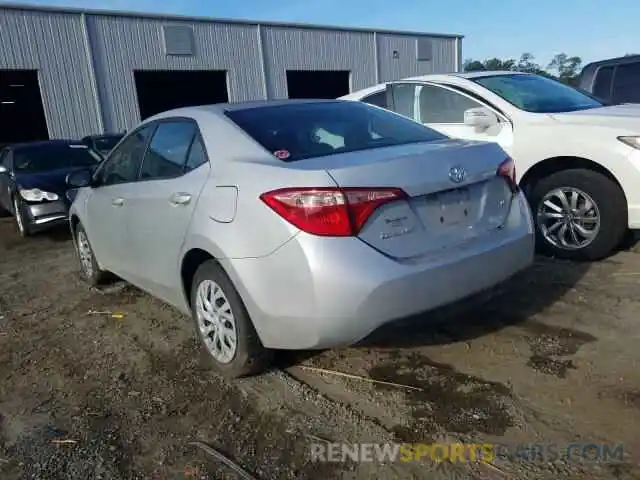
(456,174)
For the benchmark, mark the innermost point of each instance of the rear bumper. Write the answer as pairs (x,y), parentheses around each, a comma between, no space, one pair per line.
(326,292)
(42,216)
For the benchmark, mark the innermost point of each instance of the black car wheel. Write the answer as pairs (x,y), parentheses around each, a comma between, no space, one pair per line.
(21,221)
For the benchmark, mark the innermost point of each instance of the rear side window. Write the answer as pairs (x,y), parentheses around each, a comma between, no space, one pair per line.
(299,131)
(197,155)
(53,157)
(168,150)
(378,99)
(602,85)
(404,96)
(626,83)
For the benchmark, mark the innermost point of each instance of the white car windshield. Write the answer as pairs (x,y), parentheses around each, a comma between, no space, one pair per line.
(538,94)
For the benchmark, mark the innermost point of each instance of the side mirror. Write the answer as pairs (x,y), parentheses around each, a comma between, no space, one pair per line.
(480,117)
(3,169)
(79,179)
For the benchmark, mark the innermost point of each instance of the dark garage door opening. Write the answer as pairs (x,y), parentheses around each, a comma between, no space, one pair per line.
(21,114)
(159,91)
(317,84)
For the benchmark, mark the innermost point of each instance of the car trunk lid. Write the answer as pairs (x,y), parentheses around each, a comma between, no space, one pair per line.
(453,193)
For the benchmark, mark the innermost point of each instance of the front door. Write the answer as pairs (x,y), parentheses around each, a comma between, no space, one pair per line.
(442,109)
(160,207)
(108,203)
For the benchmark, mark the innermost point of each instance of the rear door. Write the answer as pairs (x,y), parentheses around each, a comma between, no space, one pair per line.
(161,204)
(626,83)
(442,108)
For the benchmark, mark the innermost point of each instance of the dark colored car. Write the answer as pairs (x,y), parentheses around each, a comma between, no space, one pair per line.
(104,143)
(33,181)
(615,81)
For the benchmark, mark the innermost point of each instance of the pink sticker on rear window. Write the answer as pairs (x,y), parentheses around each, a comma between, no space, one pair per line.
(282,154)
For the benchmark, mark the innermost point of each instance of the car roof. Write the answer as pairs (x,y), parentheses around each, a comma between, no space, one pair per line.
(104,135)
(221,108)
(468,75)
(432,77)
(43,144)
(613,61)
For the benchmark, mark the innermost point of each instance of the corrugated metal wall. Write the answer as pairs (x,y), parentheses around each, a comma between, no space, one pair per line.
(124,44)
(86,62)
(53,44)
(296,49)
(444,57)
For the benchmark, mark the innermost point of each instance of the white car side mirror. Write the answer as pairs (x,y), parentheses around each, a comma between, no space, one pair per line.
(480,117)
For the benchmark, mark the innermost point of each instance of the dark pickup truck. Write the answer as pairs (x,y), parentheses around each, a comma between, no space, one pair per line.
(616,80)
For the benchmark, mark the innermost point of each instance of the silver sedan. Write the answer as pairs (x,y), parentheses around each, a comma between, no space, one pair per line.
(298,224)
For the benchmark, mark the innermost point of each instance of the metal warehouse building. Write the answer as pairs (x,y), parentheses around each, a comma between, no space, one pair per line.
(66,73)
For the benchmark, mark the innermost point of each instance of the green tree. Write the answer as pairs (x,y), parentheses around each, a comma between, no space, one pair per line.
(526,64)
(567,68)
(497,64)
(473,65)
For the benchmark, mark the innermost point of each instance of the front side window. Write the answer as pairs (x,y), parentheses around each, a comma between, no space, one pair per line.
(54,157)
(626,83)
(123,164)
(537,94)
(4,155)
(439,105)
(168,150)
(299,131)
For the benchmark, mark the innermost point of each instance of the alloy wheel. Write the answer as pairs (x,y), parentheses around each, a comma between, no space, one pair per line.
(216,321)
(85,253)
(568,218)
(18,215)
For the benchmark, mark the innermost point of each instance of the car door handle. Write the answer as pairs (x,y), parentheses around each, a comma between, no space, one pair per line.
(117,202)
(180,199)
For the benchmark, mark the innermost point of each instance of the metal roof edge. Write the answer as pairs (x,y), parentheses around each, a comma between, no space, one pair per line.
(176,17)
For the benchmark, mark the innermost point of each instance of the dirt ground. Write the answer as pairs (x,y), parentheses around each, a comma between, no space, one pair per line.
(554,357)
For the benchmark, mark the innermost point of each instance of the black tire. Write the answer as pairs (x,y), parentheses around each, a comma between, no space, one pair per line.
(21,222)
(93,276)
(250,356)
(611,204)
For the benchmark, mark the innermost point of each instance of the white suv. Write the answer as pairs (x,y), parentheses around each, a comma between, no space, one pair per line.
(577,159)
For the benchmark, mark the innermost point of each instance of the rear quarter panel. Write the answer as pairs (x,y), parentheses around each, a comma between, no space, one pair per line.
(241,170)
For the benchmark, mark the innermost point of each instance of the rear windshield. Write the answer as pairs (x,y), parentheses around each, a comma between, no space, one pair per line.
(52,157)
(307,130)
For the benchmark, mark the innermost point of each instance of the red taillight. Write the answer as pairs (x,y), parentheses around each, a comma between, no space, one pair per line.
(331,212)
(507,169)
